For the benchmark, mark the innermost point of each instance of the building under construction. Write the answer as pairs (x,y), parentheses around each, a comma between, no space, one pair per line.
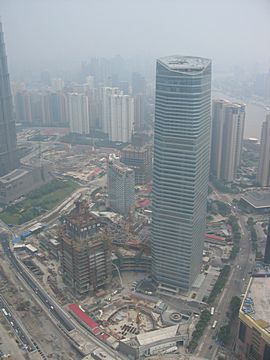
(138,158)
(85,251)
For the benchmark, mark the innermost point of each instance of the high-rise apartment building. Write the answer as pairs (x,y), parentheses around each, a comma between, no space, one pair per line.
(8,153)
(120,184)
(106,96)
(228,121)
(181,169)
(122,118)
(85,252)
(263,176)
(78,113)
(138,158)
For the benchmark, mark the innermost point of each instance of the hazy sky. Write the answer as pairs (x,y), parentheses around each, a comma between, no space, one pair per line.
(41,33)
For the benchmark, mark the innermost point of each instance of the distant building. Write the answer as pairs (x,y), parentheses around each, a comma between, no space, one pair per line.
(85,252)
(122,118)
(228,121)
(263,176)
(181,170)
(253,340)
(120,184)
(78,114)
(8,153)
(138,158)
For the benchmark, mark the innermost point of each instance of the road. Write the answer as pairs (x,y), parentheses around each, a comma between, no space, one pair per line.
(49,303)
(16,327)
(235,286)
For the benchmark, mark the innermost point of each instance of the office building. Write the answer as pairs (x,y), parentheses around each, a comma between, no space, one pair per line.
(120,184)
(138,158)
(78,113)
(228,121)
(8,152)
(139,112)
(253,340)
(85,252)
(181,169)
(263,176)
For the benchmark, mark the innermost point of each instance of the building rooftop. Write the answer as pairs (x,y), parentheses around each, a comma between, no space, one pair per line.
(256,303)
(257,199)
(157,335)
(184,63)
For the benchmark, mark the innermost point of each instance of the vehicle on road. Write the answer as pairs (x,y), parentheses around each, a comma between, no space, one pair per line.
(214,324)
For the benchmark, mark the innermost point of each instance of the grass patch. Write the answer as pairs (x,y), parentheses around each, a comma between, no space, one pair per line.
(38,202)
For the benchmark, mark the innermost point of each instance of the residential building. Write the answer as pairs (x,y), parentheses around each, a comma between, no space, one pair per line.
(107,92)
(121,183)
(253,340)
(85,251)
(181,169)
(8,153)
(138,158)
(122,118)
(78,113)
(263,176)
(228,121)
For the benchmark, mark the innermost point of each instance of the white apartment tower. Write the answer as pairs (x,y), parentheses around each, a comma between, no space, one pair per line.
(78,113)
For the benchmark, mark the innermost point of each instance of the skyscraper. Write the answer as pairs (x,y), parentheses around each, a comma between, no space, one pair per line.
(8,155)
(181,169)
(263,176)
(228,121)
(267,247)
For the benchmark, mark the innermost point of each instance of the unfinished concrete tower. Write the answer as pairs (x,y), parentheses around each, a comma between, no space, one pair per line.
(85,251)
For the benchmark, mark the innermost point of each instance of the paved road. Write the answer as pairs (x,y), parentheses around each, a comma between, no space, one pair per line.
(236,285)
(15,326)
(50,304)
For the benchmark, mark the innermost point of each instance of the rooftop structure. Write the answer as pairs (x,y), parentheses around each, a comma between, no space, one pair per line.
(254,329)
(154,342)
(185,63)
(257,200)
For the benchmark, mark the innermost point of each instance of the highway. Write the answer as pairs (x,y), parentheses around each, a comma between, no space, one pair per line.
(20,333)
(49,303)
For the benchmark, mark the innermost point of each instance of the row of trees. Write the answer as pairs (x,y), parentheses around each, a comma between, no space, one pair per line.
(232,221)
(220,283)
(199,330)
(226,331)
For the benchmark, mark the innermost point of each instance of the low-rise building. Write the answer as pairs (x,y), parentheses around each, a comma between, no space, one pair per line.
(154,342)
(21,181)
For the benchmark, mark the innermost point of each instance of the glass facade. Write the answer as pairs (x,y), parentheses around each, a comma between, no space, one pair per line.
(181,169)
(8,156)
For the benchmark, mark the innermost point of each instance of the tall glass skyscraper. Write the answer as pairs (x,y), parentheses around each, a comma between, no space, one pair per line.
(181,169)
(8,155)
